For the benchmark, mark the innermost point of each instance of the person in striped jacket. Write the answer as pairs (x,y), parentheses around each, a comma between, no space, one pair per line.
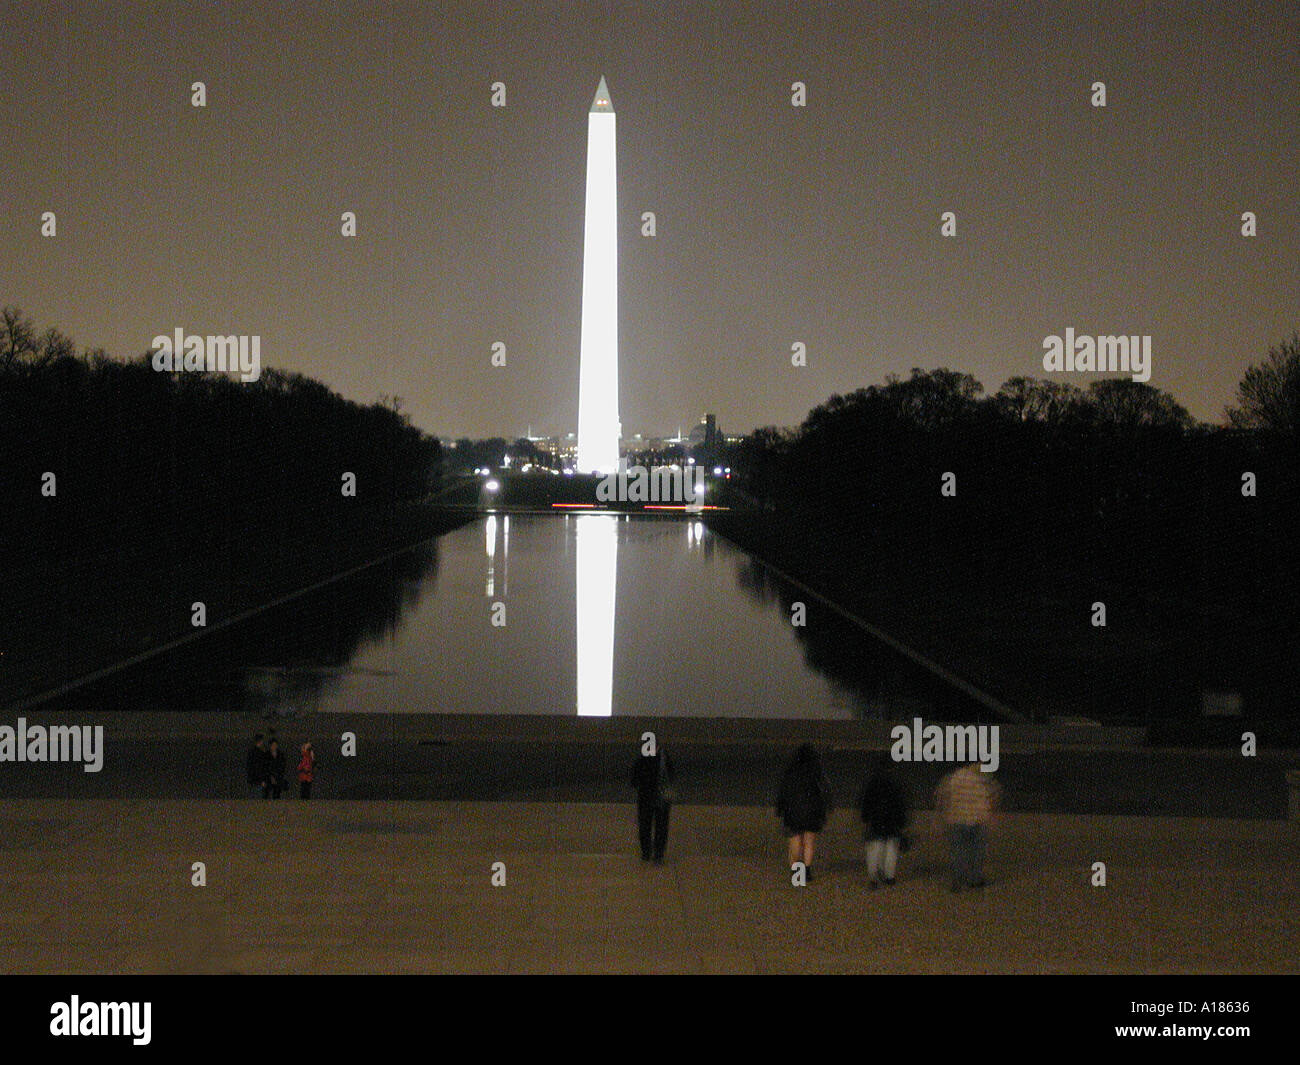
(966,800)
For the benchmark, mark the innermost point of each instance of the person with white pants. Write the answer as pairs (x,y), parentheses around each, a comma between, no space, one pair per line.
(882,857)
(884,816)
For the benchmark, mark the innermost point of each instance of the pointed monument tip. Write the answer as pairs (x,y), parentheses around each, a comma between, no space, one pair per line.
(602,101)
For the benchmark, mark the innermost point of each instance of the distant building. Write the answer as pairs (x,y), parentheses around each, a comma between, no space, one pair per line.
(707,433)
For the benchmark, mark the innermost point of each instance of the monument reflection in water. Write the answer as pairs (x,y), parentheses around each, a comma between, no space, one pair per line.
(593,615)
(597,551)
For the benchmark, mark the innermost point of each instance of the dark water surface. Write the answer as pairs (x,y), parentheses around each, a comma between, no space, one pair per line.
(594,615)
(562,614)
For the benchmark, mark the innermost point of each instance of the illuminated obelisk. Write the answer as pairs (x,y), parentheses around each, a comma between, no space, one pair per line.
(598,424)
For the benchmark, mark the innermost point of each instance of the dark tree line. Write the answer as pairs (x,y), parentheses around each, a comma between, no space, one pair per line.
(466,455)
(1059,490)
(137,452)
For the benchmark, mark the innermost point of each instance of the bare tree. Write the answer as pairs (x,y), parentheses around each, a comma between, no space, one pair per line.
(935,398)
(1268,396)
(1122,402)
(1026,399)
(52,346)
(17,337)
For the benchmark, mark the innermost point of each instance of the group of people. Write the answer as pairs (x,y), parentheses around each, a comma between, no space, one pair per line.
(966,800)
(266,768)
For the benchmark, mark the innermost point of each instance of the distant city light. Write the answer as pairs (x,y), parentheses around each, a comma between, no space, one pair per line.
(492,485)
(717,471)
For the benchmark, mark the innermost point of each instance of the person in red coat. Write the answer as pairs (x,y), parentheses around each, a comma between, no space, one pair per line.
(306,771)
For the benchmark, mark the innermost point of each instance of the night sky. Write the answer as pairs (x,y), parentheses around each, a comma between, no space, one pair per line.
(775,224)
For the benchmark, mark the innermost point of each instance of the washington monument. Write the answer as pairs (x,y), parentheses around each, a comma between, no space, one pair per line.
(598,424)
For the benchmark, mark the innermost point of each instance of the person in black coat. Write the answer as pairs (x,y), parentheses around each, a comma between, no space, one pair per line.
(803,804)
(276,757)
(883,805)
(652,776)
(259,768)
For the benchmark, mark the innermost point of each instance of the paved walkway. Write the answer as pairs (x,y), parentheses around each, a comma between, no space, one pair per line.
(719,762)
(103,886)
